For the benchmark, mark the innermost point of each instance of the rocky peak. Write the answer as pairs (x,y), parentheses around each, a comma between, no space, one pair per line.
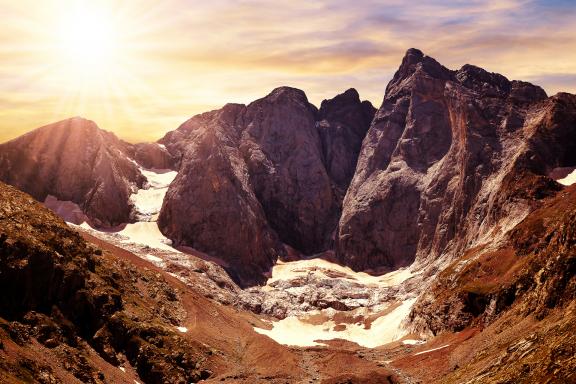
(340,108)
(415,63)
(482,81)
(524,92)
(343,123)
(333,106)
(74,160)
(489,84)
(269,170)
(284,93)
(437,171)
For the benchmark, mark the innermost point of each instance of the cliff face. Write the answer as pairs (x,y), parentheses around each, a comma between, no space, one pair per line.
(343,123)
(439,168)
(74,160)
(520,293)
(210,205)
(255,177)
(153,156)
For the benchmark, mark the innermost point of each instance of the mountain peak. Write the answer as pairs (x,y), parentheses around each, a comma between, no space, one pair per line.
(287,92)
(414,55)
(415,61)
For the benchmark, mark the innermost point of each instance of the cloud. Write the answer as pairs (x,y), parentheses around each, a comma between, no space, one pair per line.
(182,57)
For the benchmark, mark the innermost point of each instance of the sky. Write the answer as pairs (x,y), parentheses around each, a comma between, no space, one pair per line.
(140,68)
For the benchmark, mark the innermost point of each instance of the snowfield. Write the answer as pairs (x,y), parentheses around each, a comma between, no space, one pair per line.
(146,233)
(304,268)
(301,332)
(378,305)
(148,202)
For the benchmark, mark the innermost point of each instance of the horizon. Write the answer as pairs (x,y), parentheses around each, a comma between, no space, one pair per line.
(141,70)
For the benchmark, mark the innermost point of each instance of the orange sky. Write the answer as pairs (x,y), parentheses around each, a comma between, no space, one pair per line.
(142,68)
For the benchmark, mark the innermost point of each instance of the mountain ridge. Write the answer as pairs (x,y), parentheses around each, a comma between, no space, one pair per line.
(420,124)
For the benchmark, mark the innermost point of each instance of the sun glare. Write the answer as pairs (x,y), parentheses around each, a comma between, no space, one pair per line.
(88,42)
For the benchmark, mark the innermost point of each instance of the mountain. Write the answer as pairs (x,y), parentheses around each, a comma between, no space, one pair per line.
(255,178)
(74,160)
(452,160)
(343,123)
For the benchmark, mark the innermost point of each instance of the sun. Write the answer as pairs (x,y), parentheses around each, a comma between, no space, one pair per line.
(92,58)
(88,42)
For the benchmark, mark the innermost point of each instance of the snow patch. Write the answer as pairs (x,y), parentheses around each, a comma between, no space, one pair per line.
(182,329)
(123,369)
(412,342)
(148,201)
(302,268)
(146,233)
(147,204)
(152,258)
(431,350)
(296,331)
(568,180)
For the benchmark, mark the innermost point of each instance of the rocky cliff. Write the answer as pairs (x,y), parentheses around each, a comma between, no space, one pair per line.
(74,160)
(256,177)
(442,165)
(343,123)
(521,294)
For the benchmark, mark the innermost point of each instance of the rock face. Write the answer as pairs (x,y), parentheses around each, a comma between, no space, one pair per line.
(210,205)
(254,178)
(522,294)
(343,123)
(442,165)
(74,160)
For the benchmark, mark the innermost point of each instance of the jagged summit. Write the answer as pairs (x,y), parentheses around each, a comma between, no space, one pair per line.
(416,66)
(285,167)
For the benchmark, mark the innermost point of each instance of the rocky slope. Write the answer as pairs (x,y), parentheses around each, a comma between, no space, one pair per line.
(444,163)
(521,293)
(456,171)
(154,156)
(73,160)
(261,177)
(66,305)
(73,312)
